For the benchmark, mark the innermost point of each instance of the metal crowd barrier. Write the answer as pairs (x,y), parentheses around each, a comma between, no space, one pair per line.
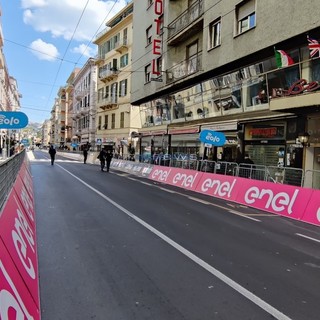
(9,170)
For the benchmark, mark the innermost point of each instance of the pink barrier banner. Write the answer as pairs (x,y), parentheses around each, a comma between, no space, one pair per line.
(26,179)
(289,201)
(18,235)
(277,198)
(26,201)
(183,178)
(312,211)
(220,186)
(15,300)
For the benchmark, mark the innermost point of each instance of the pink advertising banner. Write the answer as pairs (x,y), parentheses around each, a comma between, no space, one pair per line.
(26,178)
(18,235)
(312,212)
(16,302)
(183,178)
(289,201)
(221,186)
(26,201)
(277,198)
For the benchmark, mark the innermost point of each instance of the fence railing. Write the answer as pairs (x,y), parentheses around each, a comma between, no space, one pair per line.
(9,170)
(282,175)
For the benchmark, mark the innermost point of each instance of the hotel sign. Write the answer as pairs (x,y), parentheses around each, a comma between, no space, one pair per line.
(157,41)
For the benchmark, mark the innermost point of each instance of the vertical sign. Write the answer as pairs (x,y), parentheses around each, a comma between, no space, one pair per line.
(157,41)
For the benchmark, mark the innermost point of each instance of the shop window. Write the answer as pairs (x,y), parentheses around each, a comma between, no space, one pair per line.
(279,81)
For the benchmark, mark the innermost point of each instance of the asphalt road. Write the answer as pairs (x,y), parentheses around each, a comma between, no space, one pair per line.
(114,246)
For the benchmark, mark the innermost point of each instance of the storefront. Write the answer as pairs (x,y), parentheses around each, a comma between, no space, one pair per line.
(185,142)
(229,151)
(274,143)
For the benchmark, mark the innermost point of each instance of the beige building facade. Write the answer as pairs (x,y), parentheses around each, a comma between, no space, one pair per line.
(116,119)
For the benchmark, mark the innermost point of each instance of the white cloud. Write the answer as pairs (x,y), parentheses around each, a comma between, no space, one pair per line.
(60,18)
(43,50)
(84,50)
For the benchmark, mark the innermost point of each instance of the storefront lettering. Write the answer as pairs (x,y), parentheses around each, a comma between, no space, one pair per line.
(222,189)
(187,180)
(302,85)
(263,132)
(278,201)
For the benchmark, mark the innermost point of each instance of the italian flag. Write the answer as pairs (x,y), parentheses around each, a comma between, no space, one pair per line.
(283,59)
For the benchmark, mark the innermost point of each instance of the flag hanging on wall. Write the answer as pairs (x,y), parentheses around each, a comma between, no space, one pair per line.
(283,59)
(314,47)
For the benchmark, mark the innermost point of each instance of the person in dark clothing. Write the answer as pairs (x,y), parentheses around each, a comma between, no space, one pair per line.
(102,157)
(247,159)
(85,154)
(52,152)
(109,156)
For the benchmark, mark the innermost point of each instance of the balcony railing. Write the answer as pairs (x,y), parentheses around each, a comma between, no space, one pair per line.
(186,18)
(184,68)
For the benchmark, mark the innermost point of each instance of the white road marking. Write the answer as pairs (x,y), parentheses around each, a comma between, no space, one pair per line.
(304,236)
(228,281)
(199,200)
(237,213)
(167,190)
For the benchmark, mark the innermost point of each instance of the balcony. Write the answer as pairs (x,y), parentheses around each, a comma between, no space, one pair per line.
(184,69)
(187,24)
(108,75)
(121,45)
(108,103)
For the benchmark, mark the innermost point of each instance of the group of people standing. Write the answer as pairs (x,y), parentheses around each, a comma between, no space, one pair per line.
(105,156)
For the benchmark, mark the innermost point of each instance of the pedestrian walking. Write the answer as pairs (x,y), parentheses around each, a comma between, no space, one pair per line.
(85,154)
(109,156)
(102,157)
(52,152)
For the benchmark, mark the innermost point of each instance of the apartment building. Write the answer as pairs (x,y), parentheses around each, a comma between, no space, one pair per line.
(209,64)
(116,119)
(70,137)
(84,105)
(9,96)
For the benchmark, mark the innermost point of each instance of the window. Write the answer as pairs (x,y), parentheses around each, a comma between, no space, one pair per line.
(147,73)
(106,96)
(246,15)
(149,35)
(100,94)
(123,88)
(99,123)
(122,120)
(113,121)
(214,34)
(124,60)
(106,120)
(114,89)
(159,66)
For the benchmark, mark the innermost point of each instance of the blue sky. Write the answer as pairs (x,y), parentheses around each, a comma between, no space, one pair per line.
(44,40)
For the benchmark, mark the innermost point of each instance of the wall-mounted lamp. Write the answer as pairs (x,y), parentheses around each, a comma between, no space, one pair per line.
(304,138)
